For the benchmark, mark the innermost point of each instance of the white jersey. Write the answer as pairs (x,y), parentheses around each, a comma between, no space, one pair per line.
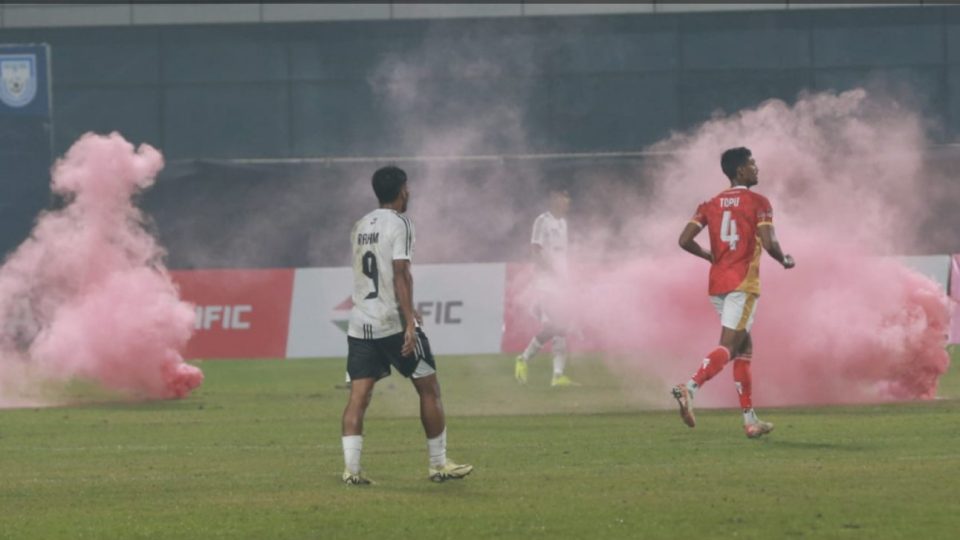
(550,233)
(378,239)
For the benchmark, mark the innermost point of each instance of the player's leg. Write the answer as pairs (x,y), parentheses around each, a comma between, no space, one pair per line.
(555,323)
(365,366)
(712,364)
(730,341)
(421,368)
(431,406)
(560,353)
(741,377)
(736,312)
(752,425)
(536,343)
(743,380)
(361,391)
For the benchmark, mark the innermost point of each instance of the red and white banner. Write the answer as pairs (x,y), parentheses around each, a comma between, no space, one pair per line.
(461,306)
(467,309)
(240,313)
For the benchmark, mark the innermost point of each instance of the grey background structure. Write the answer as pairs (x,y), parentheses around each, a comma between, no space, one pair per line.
(591,82)
(272,84)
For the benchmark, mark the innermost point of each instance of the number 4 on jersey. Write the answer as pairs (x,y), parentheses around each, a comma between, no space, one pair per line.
(728,230)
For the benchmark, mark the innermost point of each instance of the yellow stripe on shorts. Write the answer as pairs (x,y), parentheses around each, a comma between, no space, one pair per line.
(748,306)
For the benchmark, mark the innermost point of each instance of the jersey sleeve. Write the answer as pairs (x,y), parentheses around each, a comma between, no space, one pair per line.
(353,235)
(539,231)
(764,212)
(403,239)
(700,216)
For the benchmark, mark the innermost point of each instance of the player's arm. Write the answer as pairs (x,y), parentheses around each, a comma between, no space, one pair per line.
(689,244)
(403,286)
(768,239)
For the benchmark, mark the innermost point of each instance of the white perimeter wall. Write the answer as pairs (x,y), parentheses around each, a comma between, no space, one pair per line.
(461,305)
(936,267)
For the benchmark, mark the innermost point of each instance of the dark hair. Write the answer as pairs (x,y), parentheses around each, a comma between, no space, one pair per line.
(733,159)
(557,187)
(387,182)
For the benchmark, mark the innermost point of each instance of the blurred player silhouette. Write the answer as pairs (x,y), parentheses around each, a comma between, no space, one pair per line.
(740,222)
(384,330)
(549,252)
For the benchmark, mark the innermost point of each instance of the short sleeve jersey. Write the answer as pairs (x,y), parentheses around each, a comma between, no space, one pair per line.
(734,218)
(378,239)
(550,233)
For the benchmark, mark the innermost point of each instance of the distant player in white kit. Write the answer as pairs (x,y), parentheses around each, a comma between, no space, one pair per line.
(549,251)
(384,330)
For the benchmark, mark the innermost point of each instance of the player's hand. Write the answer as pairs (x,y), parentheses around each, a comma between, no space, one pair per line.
(788,262)
(409,340)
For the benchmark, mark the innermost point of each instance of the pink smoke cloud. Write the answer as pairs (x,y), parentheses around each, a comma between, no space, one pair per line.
(845,175)
(87,295)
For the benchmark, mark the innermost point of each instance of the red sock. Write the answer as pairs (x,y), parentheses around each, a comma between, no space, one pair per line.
(712,365)
(741,377)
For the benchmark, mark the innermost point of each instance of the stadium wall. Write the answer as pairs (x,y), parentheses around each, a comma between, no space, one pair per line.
(222,214)
(216,98)
(585,82)
(466,308)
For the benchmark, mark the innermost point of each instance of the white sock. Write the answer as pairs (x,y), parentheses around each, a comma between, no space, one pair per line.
(531,349)
(750,417)
(559,355)
(692,388)
(352,446)
(437,450)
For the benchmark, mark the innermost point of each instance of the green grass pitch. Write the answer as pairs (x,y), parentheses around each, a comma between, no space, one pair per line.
(255,453)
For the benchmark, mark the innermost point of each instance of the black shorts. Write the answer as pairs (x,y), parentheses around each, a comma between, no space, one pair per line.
(372,358)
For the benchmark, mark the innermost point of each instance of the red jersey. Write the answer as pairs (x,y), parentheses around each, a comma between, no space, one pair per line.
(733,218)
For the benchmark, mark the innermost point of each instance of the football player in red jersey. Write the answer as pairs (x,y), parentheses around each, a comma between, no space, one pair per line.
(740,222)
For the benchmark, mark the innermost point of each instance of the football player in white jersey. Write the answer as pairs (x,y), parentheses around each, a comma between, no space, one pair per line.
(384,330)
(549,250)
